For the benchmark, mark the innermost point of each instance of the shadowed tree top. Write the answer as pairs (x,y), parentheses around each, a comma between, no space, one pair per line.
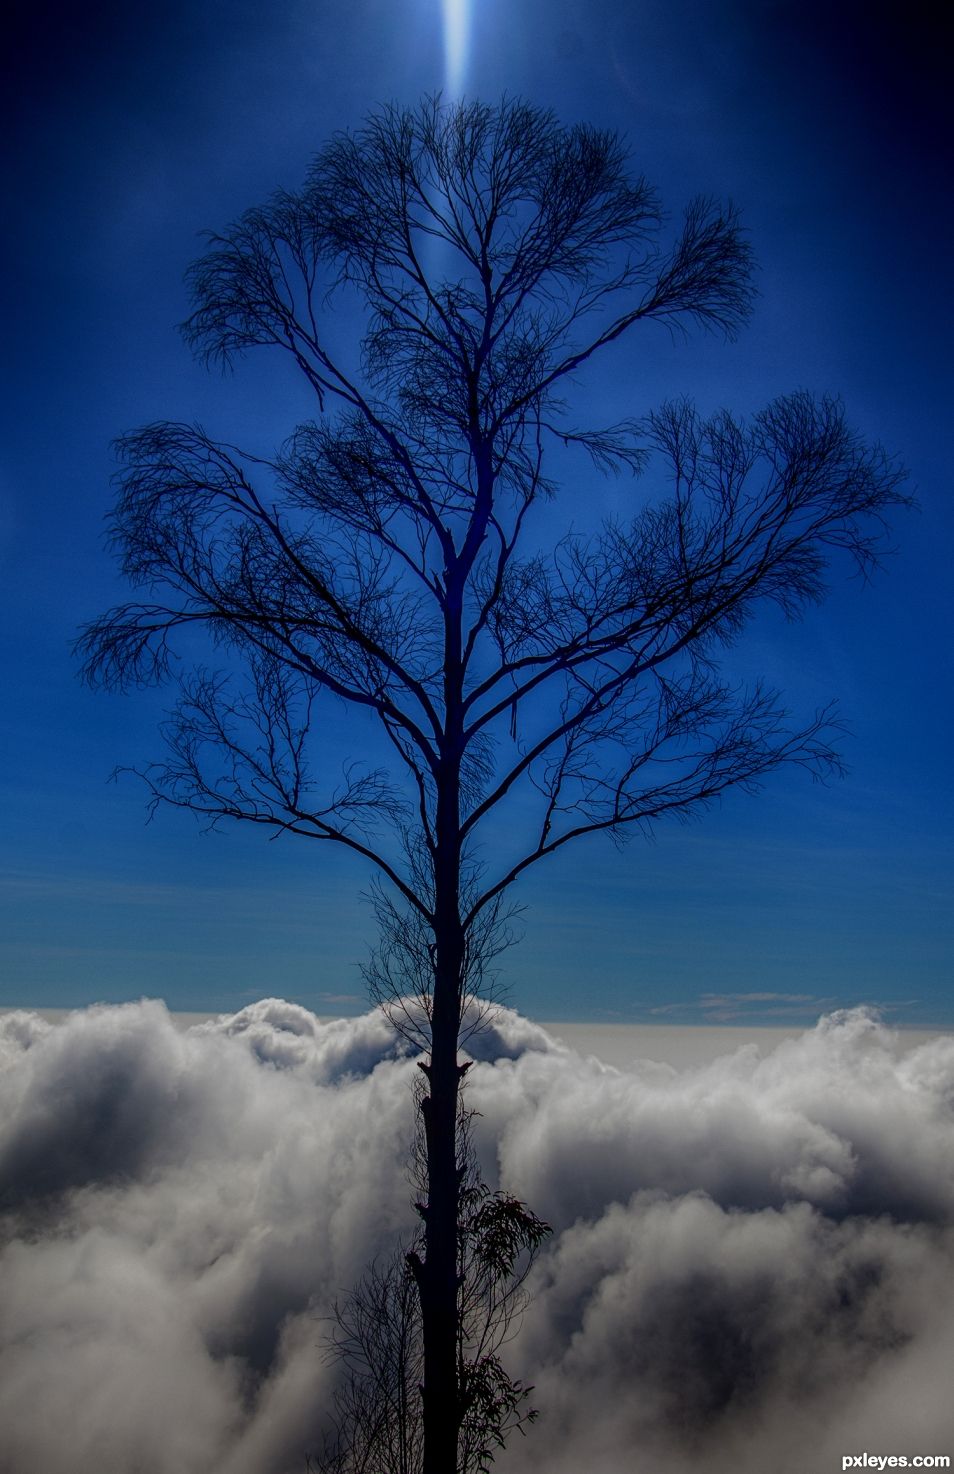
(494,249)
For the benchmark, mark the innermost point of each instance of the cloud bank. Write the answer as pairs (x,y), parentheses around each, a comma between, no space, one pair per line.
(752,1263)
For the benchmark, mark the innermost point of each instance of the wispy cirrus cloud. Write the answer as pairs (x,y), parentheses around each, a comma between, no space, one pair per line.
(749,1006)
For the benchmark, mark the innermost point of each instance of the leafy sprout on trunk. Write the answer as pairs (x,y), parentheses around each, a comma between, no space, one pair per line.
(376,1340)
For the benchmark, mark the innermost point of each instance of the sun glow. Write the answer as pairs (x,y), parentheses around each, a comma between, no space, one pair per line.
(456,43)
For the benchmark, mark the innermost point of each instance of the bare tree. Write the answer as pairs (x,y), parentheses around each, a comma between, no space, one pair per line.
(385,555)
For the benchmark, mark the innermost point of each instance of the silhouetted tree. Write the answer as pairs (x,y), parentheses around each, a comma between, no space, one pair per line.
(381,557)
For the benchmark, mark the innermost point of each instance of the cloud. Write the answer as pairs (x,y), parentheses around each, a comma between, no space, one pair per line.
(723,1008)
(708,999)
(752,1262)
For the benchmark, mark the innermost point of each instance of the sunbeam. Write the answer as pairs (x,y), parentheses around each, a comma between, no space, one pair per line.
(456,43)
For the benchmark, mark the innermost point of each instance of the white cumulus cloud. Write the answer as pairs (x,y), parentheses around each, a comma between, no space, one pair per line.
(752,1262)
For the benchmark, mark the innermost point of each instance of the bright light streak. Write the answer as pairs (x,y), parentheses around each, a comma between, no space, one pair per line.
(456,44)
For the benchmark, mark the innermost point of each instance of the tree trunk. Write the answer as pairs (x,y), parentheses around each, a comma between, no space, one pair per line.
(437,1276)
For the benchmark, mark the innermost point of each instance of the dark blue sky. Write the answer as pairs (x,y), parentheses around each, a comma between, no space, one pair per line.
(131,130)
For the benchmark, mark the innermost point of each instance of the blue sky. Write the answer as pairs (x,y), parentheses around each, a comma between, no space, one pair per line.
(132,132)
